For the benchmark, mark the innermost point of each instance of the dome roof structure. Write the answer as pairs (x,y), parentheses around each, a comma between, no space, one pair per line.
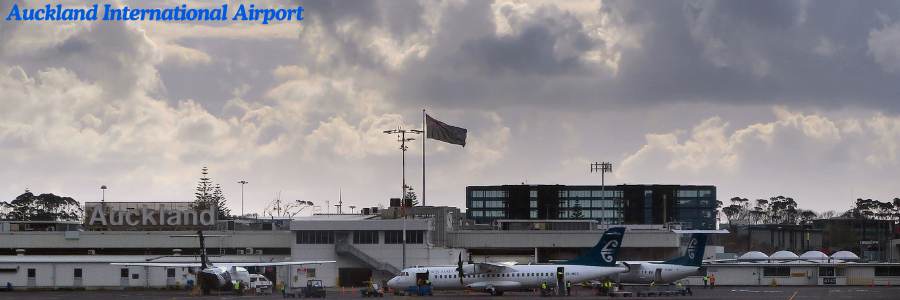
(784,255)
(754,255)
(845,255)
(814,255)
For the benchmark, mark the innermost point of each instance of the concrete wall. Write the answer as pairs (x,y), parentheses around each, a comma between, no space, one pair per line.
(57,272)
(144,239)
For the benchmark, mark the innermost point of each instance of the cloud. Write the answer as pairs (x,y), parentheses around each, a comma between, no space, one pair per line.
(883,47)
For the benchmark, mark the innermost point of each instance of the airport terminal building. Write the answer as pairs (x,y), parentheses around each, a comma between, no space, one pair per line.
(69,255)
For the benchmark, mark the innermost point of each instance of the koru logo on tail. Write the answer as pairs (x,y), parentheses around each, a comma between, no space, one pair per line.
(608,249)
(692,248)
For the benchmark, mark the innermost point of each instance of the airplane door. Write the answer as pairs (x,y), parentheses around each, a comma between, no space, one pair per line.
(560,279)
(658,275)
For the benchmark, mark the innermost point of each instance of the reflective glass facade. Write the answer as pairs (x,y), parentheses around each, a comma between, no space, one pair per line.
(621,204)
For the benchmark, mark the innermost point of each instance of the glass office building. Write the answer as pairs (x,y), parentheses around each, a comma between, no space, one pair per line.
(694,206)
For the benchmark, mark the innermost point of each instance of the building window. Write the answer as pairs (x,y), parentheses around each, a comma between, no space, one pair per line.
(315,237)
(495,213)
(704,193)
(365,237)
(532,204)
(32,273)
(777,271)
(887,271)
(533,214)
(415,237)
(477,213)
(477,194)
(687,193)
(533,194)
(310,272)
(494,204)
(477,204)
(170,272)
(396,236)
(393,237)
(124,272)
(77,273)
(135,276)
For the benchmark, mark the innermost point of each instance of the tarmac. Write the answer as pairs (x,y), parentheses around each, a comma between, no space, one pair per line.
(721,292)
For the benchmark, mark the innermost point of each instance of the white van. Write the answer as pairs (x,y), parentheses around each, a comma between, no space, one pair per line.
(260,284)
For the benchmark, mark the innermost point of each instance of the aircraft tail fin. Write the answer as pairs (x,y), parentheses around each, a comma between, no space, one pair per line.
(204,260)
(693,256)
(605,253)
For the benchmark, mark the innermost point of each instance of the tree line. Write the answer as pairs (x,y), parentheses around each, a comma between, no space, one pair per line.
(50,207)
(784,210)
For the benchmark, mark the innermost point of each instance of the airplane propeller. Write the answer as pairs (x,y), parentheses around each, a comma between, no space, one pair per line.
(459,269)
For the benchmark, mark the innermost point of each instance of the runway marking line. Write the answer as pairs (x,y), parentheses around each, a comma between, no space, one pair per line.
(792,297)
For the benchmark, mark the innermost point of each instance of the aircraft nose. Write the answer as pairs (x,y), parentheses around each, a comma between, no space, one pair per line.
(393,283)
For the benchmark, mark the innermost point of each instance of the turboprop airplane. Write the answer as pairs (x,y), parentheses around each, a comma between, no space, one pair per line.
(496,278)
(645,272)
(222,276)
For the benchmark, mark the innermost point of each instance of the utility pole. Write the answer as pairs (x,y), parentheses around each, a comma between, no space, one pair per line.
(242,182)
(603,168)
(402,139)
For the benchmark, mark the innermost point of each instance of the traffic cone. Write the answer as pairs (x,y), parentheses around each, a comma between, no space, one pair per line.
(343,292)
(534,291)
(352,290)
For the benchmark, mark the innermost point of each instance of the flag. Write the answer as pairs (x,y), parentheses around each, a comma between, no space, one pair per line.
(442,132)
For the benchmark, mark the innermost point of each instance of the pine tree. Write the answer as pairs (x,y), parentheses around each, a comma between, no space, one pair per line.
(208,196)
(576,211)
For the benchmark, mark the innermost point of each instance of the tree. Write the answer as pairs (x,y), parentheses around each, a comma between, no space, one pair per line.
(45,207)
(210,196)
(577,213)
(411,196)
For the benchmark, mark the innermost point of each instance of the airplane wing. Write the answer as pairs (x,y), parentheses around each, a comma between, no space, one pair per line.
(229,265)
(485,267)
(269,264)
(167,265)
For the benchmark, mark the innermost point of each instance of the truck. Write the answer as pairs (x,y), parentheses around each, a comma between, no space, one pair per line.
(260,284)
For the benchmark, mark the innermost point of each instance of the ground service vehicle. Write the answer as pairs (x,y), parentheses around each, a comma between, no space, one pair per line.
(314,289)
(260,284)
(371,290)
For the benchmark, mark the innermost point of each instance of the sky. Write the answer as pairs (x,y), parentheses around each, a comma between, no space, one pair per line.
(759,98)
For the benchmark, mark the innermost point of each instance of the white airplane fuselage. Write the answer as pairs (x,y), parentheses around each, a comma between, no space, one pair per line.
(642,272)
(222,277)
(510,279)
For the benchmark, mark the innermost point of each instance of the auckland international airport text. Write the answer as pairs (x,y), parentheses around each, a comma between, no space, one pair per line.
(179,13)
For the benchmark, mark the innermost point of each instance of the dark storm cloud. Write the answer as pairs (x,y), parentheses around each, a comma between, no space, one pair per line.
(743,52)
(401,18)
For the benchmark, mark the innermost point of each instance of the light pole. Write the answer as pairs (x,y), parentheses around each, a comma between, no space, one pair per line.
(603,168)
(402,135)
(351,208)
(103,190)
(242,182)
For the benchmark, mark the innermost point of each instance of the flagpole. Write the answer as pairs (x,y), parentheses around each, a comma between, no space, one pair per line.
(424,129)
